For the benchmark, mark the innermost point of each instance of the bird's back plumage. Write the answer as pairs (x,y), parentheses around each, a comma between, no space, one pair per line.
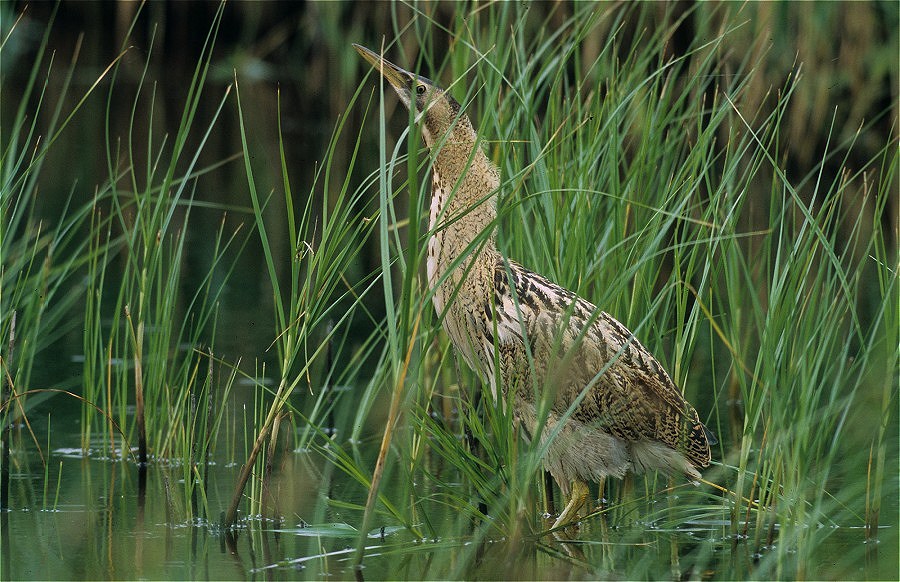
(590,362)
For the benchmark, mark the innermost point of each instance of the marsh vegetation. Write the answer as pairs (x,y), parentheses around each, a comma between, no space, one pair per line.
(212,289)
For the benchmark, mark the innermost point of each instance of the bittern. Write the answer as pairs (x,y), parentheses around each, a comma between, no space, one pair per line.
(626,413)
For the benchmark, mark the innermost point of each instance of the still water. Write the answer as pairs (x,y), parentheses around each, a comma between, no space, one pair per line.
(90,521)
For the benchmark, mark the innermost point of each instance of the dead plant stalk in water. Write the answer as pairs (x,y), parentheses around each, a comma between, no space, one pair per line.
(393,416)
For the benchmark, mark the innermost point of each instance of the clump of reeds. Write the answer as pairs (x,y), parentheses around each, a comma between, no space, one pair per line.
(121,254)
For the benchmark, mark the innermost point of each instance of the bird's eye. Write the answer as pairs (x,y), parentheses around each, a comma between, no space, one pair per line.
(420,89)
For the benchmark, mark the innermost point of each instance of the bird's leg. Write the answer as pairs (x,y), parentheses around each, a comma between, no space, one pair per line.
(577,499)
(548,493)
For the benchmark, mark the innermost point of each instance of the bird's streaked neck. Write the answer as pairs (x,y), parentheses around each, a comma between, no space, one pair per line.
(463,206)
(464,186)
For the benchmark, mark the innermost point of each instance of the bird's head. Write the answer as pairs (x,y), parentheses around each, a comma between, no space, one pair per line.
(436,110)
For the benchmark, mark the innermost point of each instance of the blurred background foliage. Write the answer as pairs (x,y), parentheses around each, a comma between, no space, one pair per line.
(846,52)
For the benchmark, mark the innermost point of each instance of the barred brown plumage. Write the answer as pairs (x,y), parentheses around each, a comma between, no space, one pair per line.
(626,413)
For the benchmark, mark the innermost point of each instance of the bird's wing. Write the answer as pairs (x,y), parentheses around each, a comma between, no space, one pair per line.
(579,346)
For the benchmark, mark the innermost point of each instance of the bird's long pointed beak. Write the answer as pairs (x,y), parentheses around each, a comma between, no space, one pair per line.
(397,77)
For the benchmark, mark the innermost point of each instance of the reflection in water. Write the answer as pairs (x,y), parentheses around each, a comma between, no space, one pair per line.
(5,552)
(139,528)
(4,459)
(142,534)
